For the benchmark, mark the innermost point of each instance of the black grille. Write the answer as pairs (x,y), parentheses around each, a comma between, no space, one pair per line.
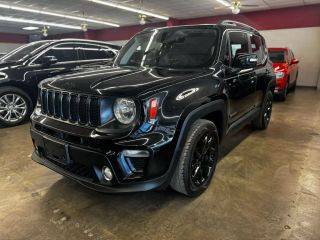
(76,108)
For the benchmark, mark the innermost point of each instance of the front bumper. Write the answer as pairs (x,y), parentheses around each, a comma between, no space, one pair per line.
(133,187)
(84,163)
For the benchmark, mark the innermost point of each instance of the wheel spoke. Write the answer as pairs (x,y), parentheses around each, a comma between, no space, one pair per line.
(6,98)
(17,99)
(3,101)
(18,114)
(7,116)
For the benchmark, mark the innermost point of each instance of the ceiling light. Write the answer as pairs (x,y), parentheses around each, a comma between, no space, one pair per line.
(24,9)
(130,9)
(84,27)
(30,28)
(45,31)
(235,10)
(224,2)
(20,20)
(142,19)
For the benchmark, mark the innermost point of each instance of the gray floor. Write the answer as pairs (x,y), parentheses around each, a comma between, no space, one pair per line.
(267,186)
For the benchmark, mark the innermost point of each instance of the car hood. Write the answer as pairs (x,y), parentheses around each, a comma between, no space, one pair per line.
(117,81)
(277,66)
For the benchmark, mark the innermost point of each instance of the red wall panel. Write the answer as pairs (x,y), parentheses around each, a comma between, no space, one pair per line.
(294,17)
(13,38)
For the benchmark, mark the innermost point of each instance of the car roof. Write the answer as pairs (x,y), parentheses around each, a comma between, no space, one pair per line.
(223,25)
(117,47)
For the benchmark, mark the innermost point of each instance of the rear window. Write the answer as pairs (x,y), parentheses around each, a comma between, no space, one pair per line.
(277,56)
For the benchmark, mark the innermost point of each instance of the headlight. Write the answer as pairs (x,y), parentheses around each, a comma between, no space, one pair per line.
(124,110)
(279,75)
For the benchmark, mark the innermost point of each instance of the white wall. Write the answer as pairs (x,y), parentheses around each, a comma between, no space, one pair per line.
(305,44)
(7,47)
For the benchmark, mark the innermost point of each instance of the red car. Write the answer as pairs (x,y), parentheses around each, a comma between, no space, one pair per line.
(286,69)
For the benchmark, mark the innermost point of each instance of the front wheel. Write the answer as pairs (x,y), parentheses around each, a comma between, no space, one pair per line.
(198,159)
(15,106)
(263,119)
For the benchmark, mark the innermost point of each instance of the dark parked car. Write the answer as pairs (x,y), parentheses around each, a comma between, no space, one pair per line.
(22,69)
(158,116)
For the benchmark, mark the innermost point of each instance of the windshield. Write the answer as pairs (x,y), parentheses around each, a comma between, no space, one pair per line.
(277,56)
(21,52)
(188,47)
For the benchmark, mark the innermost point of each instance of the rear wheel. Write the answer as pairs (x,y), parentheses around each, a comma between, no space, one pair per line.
(15,106)
(198,159)
(263,119)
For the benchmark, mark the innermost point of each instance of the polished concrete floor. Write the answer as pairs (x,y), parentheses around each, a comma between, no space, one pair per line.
(267,186)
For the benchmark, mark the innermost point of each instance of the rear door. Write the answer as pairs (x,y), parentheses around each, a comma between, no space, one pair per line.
(258,47)
(240,83)
(95,53)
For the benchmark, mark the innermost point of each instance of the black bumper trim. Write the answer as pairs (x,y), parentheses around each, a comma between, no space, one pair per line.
(121,188)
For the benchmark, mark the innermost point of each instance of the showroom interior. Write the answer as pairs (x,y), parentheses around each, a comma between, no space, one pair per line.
(104,105)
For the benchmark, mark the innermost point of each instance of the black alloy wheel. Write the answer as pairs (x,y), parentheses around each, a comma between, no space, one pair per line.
(267,111)
(262,121)
(203,161)
(198,159)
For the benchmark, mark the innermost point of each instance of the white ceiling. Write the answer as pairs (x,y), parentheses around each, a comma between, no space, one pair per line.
(180,9)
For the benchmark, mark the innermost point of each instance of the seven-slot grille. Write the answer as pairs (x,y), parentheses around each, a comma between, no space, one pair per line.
(76,108)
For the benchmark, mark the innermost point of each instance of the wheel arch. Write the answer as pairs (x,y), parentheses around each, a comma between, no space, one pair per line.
(215,111)
(32,95)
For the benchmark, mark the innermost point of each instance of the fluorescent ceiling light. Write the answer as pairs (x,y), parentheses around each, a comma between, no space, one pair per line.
(224,2)
(30,28)
(30,10)
(130,9)
(20,20)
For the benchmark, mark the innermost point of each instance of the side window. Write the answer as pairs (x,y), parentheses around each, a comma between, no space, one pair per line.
(62,52)
(238,44)
(258,48)
(95,52)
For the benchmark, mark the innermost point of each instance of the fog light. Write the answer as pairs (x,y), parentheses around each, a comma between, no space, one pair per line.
(136,153)
(107,173)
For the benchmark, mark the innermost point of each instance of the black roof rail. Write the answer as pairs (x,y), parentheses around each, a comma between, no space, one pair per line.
(235,23)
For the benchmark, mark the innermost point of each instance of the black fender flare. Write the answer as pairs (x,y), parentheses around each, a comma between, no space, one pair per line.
(198,113)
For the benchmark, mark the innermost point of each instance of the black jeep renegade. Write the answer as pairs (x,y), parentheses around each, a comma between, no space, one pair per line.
(158,116)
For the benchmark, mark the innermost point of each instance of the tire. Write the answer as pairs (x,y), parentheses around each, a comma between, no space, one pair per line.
(283,95)
(263,119)
(15,106)
(194,171)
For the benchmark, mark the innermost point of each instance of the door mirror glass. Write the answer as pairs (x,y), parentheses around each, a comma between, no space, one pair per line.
(48,60)
(294,61)
(245,60)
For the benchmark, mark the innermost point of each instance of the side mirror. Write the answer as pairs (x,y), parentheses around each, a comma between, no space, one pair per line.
(48,60)
(245,60)
(294,61)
